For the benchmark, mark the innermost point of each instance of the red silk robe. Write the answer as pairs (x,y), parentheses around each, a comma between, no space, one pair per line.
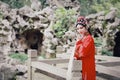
(85,51)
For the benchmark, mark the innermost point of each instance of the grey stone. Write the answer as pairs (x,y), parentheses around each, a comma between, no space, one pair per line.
(77,66)
(36,5)
(112,14)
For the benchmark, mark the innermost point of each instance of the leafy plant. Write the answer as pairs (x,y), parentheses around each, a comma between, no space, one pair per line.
(1,15)
(43,2)
(106,52)
(94,6)
(16,3)
(64,19)
(20,56)
(98,42)
(21,3)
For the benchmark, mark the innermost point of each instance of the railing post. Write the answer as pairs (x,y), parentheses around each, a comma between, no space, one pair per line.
(32,55)
(74,68)
(3,76)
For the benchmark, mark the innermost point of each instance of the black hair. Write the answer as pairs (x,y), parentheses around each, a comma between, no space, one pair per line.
(89,30)
(84,25)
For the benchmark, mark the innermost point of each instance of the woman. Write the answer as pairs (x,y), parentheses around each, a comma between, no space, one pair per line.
(85,50)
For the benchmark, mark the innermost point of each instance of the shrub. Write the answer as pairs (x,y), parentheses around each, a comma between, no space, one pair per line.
(20,56)
(106,52)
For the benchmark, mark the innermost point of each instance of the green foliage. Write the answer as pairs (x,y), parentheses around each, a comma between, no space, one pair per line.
(21,3)
(98,42)
(106,52)
(86,7)
(119,27)
(43,2)
(16,3)
(1,15)
(20,56)
(117,5)
(94,6)
(114,1)
(64,19)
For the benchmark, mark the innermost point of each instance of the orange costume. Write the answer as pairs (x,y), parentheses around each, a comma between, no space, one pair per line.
(85,51)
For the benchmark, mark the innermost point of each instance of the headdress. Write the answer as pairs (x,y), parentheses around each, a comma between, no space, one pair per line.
(82,21)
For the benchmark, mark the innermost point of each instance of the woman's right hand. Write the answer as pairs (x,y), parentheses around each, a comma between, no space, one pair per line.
(75,58)
(79,37)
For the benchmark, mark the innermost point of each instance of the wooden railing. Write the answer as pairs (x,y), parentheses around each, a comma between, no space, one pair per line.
(48,66)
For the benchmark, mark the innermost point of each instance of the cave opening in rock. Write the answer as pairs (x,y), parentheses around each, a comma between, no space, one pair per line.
(30,39)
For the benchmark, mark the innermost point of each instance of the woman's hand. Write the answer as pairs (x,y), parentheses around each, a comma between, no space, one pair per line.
(75,58)
(79,37)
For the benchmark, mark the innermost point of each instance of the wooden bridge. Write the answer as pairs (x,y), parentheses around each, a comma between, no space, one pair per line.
(104,64)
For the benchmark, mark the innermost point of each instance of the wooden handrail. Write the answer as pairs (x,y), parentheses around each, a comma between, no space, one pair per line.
(50,69)
(54,61)
(45,65)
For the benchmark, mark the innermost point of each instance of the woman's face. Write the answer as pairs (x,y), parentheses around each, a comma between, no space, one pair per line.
(80,29)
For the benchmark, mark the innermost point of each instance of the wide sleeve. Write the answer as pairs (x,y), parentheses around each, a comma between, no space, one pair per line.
(85,47)
(76,55)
